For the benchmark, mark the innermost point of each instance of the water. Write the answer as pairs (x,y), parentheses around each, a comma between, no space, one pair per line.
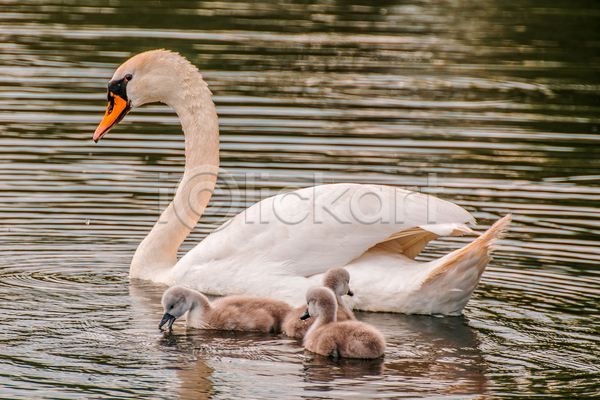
(493,105)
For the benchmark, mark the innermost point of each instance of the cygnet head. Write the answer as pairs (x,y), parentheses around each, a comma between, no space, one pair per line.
(321,302)
(176,301)
(338,280)
(149,77)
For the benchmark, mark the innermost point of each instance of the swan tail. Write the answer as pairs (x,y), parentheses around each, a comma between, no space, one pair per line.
(453,278)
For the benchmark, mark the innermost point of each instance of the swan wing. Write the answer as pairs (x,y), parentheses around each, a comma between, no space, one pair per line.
(310,230)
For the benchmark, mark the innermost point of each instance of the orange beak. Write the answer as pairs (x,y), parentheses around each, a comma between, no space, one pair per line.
(116,110)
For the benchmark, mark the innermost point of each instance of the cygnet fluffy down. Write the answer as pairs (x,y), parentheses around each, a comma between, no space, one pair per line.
(336,279)
(349,339)
(239,313)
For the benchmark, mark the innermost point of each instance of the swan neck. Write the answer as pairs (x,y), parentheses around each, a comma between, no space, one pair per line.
(200,307)
(329,318)
(327,314)
(320,321)
(157,253)
(341,303)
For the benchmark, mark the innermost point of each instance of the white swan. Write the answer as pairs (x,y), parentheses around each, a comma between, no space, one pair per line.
(328,337)
(283,245)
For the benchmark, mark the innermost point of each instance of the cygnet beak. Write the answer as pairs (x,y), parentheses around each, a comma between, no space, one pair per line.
(304,316)
(167,318)
(350,292)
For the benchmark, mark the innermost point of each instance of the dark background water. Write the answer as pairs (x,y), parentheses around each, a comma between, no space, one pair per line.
(494,105)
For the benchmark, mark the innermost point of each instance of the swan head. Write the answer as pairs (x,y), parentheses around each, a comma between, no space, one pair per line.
(149,77)
(338,280)
(320,302)
(176,301)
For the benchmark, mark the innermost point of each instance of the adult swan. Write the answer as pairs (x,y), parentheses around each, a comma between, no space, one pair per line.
(283,245)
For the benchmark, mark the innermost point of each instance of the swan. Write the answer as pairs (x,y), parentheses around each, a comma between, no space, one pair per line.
(235,313)
(336,279)
(326,336)
(282,246)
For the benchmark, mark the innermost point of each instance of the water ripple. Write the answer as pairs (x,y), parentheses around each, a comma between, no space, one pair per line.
(492,106)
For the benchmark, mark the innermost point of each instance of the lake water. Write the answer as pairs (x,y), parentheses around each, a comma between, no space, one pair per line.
(494,105)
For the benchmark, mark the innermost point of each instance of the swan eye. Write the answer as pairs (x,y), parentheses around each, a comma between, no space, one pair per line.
(128,77)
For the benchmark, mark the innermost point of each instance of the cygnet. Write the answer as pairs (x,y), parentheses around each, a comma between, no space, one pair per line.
(349,339)
(239,313)
(336,279)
